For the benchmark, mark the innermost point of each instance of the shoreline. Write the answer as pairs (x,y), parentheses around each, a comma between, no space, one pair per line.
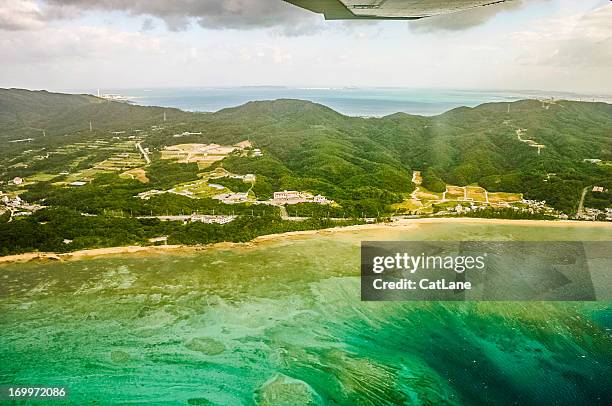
(267,238)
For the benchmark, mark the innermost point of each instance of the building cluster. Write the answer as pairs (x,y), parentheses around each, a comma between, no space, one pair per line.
(591,214)
(200,149)
(537,206)
(17,206)
(465,209)
(528,206)
(186,134)
(249,177)
(215,219)
(295,197)
(232,198)
(280,198)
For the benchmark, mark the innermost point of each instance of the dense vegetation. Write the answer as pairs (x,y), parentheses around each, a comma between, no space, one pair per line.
(47,229)
(505,213)
(25,113)
(365,165)
(431,181)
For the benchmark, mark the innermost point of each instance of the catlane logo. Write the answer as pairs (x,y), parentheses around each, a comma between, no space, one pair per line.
(476,270)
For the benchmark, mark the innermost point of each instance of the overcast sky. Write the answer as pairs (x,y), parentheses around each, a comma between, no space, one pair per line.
(563,45)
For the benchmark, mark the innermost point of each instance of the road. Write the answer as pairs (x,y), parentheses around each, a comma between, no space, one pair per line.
(581,204)
(219,219)
(143,152)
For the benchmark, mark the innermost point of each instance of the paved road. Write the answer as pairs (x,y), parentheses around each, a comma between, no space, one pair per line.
(143,152)
(220,219)
(581,204)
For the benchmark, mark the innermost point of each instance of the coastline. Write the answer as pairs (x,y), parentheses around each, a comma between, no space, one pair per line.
(263,239)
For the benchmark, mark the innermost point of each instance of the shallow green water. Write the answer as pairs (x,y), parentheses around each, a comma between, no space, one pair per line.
(283,324)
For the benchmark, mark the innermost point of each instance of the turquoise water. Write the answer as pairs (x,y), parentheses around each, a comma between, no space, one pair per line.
(282,323)
(349,101)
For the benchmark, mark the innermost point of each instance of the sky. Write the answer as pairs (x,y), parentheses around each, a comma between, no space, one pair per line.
(552,45)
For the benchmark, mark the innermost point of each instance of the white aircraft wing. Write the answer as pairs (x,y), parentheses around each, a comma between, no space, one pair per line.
(388,9)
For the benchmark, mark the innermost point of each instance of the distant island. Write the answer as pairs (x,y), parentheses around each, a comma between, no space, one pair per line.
(80,172)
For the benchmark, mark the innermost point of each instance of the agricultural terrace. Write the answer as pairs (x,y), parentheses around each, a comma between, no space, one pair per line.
(203,154)
(137,173)
(204,188)
(122,157)
(423,201)
(80,161)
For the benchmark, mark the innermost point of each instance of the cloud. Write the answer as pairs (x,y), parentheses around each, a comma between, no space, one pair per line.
(283,18)
(18,15)
(214,14)
(77,44)
(583,40)
(463,20)
(148,24)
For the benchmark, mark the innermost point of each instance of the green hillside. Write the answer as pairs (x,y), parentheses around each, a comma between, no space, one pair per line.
(336,154)
(311,146)
(26,113)
(534,148)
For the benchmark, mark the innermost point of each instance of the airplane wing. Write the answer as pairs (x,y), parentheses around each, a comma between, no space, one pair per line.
(388,9)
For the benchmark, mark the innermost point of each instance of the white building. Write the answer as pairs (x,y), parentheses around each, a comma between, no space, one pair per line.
(230,198)
(286,195)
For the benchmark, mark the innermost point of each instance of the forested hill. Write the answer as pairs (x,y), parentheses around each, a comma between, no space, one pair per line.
(26,113)
(481,145)
(359,161)
(461,147)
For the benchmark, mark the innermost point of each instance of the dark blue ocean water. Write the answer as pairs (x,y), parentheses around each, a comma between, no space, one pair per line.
(349,101)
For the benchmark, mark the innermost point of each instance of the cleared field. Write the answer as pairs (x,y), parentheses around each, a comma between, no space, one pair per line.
(206,153)
(407,205)
(454,189)
(198,189)
(476,193)
(423,201)
(121,162)
(501,197)
(420,201)
(217,173)
(137,173)
(41,177)
(203,154)
(205,163)
(424,194)
(454,193)
(84,175)
(454,196)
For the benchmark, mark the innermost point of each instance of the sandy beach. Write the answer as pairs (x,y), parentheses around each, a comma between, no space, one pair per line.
(269,238)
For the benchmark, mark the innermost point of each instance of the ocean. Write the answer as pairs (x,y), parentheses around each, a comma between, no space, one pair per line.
(282,323)
(370,102)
